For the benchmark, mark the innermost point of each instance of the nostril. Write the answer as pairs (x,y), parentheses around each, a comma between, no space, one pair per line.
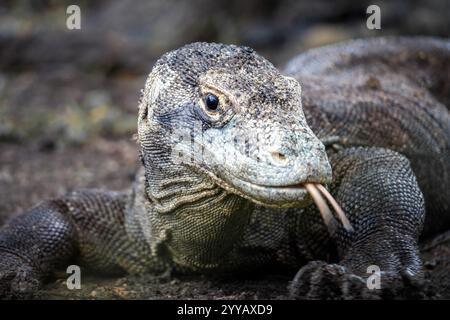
(279,157)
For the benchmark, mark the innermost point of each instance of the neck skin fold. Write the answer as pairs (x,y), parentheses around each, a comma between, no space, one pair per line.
(185,216)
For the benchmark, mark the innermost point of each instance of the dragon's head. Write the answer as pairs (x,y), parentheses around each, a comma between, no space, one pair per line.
(229,115)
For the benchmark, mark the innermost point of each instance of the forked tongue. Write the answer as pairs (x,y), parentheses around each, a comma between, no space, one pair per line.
(316,191)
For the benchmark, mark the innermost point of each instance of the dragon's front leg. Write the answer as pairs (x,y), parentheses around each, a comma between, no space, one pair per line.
(85,227)
(379,193)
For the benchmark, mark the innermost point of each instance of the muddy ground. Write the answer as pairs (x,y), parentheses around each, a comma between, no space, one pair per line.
(68,104)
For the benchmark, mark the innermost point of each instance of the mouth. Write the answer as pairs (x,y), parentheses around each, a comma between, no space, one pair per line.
(292,195)
(319,194)
(289,196)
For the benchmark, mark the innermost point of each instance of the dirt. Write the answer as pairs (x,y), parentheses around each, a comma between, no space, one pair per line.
(151,287)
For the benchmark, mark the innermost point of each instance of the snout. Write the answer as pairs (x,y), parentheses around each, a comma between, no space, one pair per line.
(289,158)
(272,172)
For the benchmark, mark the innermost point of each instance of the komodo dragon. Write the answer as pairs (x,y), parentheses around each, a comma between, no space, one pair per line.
(228,146)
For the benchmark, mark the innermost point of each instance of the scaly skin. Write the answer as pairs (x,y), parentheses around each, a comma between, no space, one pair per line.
(373,127)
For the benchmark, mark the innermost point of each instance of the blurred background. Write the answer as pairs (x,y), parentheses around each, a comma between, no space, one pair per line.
(68,98)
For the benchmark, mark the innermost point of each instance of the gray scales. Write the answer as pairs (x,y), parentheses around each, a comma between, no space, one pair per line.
(368,118)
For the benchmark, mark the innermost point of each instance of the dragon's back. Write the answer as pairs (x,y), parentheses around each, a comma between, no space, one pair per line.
(387,92)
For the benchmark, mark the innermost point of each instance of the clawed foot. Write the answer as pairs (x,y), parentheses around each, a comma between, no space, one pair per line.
(319,280)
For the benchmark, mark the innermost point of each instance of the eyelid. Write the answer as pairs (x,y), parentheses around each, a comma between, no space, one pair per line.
(224,113)
(219,92)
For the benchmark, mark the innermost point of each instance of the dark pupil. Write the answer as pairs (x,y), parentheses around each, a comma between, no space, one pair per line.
(212,102)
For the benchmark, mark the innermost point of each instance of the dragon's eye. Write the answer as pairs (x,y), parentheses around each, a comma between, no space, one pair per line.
(211,102)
